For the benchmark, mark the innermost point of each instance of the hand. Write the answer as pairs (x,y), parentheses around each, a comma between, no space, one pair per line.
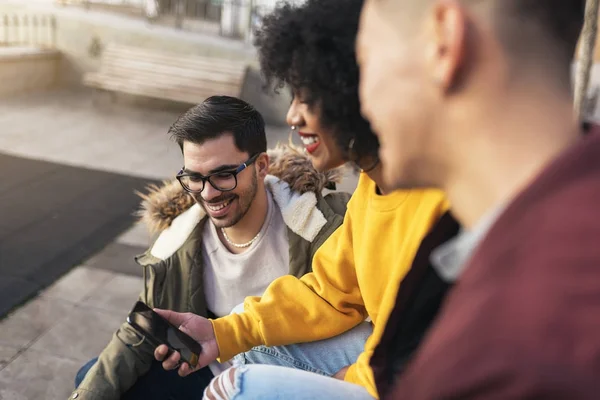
(199,329)
(341,374)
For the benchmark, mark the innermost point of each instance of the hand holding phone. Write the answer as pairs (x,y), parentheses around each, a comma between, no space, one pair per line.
(198,328)
(159,331)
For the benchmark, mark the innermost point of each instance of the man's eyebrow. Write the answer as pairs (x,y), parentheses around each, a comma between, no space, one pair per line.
(224,168)
(220,168)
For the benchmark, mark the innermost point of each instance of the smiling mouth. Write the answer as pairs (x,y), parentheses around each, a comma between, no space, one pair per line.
(310,142)
(219,206)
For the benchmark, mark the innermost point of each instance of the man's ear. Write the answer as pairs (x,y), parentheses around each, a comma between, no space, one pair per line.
(262,165)
(447,42)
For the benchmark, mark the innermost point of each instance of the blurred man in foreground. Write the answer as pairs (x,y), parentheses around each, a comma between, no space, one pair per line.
(474,97)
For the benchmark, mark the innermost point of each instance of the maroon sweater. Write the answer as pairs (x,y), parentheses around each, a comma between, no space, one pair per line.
(523,322)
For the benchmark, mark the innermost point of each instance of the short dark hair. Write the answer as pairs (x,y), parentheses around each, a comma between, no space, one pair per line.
(541,27)
(219,115)
(310,47)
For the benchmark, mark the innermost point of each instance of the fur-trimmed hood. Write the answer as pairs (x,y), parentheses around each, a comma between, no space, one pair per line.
(162,204)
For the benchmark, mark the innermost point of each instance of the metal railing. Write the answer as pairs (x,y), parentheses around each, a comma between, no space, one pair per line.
(127,3)
(127,7)
(190,15)
(193,9)
(27,30)
(230,18)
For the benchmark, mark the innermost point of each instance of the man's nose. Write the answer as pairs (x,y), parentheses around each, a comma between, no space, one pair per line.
(209,192)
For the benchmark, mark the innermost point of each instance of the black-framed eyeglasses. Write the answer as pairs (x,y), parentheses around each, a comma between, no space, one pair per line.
(223,181)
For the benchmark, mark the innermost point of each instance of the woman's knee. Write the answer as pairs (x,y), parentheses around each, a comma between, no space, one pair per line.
(224,386)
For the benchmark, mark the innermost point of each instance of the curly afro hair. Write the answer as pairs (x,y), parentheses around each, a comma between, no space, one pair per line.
(310,48)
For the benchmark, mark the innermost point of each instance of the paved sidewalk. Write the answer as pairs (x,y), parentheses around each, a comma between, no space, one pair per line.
(45,342)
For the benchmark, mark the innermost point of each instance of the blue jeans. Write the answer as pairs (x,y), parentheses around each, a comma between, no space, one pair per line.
(299,371)
(160,384)
(267,382)
(324,357)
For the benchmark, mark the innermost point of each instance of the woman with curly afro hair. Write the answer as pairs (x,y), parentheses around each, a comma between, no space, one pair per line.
(317,326)
(310,49)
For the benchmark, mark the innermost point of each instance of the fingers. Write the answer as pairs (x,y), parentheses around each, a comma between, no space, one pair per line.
(185,370)
(161,352)
(172,361)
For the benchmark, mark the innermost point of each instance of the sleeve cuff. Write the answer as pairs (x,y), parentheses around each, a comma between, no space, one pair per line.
(235,333)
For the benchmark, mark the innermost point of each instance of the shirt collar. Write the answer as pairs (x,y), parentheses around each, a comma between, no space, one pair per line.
(451,258)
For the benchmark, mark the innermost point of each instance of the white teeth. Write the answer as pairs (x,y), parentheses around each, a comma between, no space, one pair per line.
(308,140)
(218,207)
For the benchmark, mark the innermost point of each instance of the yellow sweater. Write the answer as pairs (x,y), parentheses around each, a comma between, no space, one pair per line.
(356,273)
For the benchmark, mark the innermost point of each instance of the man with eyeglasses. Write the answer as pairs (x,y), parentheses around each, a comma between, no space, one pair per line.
(228,229)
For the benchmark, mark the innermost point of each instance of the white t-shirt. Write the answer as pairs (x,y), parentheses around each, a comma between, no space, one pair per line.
(230,278)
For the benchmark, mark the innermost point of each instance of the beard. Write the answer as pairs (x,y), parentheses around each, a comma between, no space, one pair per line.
(241,202)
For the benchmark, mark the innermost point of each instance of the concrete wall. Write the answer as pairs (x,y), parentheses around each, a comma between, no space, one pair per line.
(80,36)
(27,69)
(81,40)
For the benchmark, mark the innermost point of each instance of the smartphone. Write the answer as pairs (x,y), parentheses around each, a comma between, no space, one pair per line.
(158,330)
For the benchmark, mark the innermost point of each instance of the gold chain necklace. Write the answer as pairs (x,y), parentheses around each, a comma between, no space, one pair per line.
(239,246)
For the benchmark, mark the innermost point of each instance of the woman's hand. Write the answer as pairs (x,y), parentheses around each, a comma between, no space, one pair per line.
(199,329)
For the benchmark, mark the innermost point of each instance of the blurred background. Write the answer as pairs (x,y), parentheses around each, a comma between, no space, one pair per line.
(88,90)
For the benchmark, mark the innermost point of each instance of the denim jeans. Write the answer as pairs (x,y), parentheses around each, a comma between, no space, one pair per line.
(324,357)
(160,384)
(267,382)
(299,371)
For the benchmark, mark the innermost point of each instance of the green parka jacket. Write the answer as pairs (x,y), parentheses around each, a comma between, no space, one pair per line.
(173,270)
